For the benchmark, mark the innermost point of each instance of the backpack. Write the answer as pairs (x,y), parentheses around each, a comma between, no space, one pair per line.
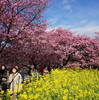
(0,79)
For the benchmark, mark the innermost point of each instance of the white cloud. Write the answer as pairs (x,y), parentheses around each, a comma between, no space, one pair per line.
(52,20)
(64,1)
(66,27)
(62,25)
(87,30)
(84,21)
(70,10)
(67,7)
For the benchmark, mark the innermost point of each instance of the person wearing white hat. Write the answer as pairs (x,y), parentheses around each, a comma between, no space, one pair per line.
(34,72)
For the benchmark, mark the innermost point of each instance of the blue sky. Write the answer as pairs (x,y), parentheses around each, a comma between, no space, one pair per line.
(77,15)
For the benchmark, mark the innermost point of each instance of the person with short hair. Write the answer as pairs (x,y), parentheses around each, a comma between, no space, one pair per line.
(34,72)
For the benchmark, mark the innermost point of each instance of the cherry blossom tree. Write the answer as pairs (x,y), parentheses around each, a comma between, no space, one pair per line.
(58,47)
(25,41)
(87,51)
(18,17)
(74,50)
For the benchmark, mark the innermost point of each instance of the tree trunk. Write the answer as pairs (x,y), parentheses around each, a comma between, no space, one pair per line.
(66,61)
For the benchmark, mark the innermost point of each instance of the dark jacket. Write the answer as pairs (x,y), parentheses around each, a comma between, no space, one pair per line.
(4,74)
(0,79)
(29,72)
(22,74)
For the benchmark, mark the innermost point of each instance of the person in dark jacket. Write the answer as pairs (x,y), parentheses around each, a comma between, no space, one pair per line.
(29,72)
(21,72)
(4,74)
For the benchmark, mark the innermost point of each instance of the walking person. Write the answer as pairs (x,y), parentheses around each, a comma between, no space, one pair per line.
(14,79)
(4,76)
(41,70)
(34,72)
(45,71)
(29,71)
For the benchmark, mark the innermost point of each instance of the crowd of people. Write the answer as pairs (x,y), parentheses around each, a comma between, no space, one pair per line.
(11,78)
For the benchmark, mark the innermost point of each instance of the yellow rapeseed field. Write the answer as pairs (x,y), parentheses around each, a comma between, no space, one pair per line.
(65,84)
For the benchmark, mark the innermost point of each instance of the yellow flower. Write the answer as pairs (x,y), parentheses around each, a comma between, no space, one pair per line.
(36,96)
(65,91)
(28,80)
(2,92)
(65,82)
(15,91)
(64,98)
(47,92)
(10,96)
(25,96)
(24,82)
(32,73)
(31,96)
(96,86)
(45,99)
(49,98)
(8,92)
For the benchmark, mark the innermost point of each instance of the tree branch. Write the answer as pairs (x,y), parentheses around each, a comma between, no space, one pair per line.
(25,65)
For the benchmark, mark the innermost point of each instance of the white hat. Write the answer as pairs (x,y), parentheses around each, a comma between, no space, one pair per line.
(32,66)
